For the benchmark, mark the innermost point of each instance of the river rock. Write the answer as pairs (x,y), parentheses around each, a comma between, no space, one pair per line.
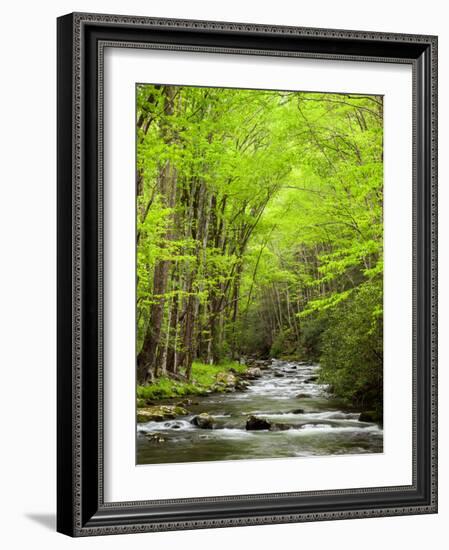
(186,402)
(242,385)
(279,375)
(160,413)
(259,363)
(263,363)
(252,373)
(155,437)
(203,421)
(297,411)
(217,387)
(256,423)
(227,379)
(279,427)
(303,395)
(311,379)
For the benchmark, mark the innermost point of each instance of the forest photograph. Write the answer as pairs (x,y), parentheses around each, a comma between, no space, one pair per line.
(259,274)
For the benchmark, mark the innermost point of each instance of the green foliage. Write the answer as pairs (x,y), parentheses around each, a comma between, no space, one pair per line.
(352,355)
(312,328)
(284,344)
(259,219)
(254,337)
(205,375)
(165,387)
(203,378)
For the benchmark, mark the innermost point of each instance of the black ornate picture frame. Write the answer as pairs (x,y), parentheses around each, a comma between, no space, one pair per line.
(81,508)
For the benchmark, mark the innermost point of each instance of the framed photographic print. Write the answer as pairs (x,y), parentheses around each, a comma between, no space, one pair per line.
(246,274)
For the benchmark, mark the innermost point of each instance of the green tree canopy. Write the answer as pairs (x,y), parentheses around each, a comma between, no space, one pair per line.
(259,228)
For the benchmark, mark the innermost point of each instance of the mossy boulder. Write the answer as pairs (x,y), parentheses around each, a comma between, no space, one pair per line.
(203,420)
(218,387)
(242,385)
(227,379)
(253,373)
(160,413)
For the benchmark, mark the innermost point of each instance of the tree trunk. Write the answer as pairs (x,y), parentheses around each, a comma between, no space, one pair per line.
(147,360)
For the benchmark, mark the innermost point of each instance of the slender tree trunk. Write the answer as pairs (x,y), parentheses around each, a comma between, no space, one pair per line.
(171,363)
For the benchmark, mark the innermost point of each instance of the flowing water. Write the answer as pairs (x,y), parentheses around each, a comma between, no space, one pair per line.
(324,428)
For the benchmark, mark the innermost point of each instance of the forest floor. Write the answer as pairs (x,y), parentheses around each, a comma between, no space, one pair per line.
(204,379)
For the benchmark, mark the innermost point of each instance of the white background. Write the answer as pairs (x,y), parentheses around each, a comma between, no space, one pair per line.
(27,304)
(123,480)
